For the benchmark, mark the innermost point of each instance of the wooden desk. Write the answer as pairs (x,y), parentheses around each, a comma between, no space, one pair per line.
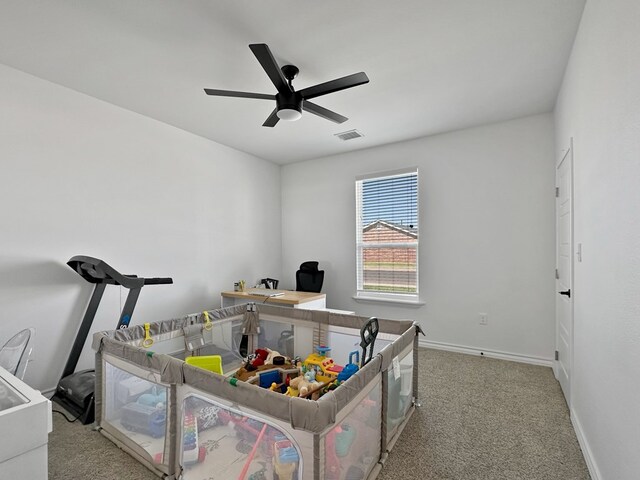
(306,300)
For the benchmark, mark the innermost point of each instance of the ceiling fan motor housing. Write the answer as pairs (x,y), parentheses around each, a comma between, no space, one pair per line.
(292,101)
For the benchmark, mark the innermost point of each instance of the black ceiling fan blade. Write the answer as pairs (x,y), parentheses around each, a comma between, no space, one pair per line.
(265,57)
(272,119)
(334,85)
(231,93)
(323,112)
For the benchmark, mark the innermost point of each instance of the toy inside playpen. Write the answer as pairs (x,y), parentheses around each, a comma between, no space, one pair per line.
(184,420)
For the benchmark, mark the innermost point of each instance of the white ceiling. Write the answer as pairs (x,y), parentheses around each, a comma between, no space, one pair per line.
(434,65)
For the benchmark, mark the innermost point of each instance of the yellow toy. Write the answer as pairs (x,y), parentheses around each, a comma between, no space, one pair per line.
(326,370)
(212,363)
(292,392)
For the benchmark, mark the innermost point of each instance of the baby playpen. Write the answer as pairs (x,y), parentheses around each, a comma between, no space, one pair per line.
(187,422)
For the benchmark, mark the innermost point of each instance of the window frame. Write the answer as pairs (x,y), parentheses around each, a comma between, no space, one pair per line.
(379,296)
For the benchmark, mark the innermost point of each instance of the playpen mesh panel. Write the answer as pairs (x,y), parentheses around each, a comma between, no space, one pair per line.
(223,338)
(352,447)
(277,336)
(137,408)
(346,340)
(220,442)
(399,391)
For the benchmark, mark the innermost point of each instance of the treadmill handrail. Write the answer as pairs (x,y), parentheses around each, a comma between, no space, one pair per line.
(158,281)
(102,272)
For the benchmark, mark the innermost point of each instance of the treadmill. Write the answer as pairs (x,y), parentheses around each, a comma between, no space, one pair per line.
(75,391)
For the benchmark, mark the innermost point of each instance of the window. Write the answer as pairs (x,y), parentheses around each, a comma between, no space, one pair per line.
(387,235)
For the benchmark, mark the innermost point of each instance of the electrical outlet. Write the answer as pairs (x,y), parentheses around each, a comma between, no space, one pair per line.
(484,318)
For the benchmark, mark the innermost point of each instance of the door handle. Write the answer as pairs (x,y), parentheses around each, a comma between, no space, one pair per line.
(566,292)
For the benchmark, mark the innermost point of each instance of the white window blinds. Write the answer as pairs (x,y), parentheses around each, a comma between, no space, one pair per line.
(387,235)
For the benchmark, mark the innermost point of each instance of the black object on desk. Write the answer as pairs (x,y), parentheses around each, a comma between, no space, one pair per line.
(270,283)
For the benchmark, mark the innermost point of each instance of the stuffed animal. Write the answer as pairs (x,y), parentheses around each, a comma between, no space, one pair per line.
(312,386)
(260,358)
(296,382)
(271,355)
(304,386)
(310,375)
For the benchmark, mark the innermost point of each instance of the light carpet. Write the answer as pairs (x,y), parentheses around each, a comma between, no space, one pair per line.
(480,418)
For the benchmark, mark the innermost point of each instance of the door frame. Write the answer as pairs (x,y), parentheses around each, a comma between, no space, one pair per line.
(567,155)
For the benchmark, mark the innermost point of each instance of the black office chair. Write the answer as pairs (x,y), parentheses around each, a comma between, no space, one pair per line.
(309,278)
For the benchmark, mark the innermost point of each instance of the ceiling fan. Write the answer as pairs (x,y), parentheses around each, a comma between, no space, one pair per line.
(289,103)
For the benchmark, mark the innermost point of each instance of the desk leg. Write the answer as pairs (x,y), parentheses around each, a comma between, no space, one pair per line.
(227,301)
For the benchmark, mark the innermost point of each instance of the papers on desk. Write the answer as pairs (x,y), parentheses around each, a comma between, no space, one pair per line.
(266,293)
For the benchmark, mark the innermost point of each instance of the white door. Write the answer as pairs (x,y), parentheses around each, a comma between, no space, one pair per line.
(564,275)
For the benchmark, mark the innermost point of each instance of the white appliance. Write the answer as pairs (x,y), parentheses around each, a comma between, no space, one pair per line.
(25,423)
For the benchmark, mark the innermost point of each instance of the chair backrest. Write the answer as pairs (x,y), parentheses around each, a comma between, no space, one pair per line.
(271,283)
(14,355)
(309,278)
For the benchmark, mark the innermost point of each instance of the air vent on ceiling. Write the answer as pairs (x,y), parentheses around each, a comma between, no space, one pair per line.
(349,135)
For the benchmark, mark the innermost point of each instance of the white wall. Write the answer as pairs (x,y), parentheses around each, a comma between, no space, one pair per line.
(486,232)
(80,176)
(599,106)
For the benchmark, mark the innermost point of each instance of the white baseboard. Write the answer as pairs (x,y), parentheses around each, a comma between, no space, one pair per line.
(514,357)
(584,445)
(48,392)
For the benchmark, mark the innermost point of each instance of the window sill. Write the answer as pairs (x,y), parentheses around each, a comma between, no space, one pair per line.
(389,301)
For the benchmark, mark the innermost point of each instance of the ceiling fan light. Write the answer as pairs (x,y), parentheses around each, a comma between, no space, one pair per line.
(289,114)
